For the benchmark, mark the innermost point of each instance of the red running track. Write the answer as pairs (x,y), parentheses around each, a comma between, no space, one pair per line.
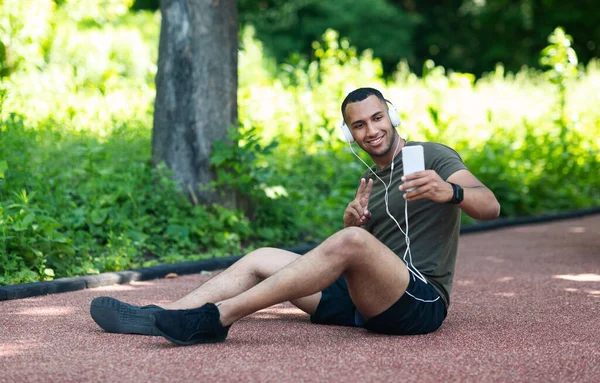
(525,308)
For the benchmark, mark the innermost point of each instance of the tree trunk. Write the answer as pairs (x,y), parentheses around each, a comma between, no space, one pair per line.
(196,90)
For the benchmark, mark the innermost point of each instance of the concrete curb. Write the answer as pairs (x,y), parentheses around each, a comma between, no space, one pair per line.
(62,285)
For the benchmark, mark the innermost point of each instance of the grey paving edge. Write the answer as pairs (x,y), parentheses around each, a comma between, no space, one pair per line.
(62,285)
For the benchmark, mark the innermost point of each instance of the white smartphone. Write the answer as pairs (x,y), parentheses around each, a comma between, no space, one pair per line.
(413,160)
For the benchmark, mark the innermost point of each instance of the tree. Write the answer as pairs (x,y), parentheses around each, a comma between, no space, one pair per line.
(196,90)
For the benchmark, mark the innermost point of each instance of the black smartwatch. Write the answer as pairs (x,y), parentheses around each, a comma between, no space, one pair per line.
(457,194)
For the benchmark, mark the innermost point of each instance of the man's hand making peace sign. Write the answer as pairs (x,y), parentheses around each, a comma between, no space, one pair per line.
(356,213)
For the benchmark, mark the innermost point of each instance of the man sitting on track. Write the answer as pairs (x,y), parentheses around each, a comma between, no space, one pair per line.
(368,274)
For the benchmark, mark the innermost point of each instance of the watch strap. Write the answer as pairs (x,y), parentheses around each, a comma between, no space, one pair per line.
(457,194)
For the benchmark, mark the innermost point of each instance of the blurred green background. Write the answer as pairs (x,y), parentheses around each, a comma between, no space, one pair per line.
(500,81)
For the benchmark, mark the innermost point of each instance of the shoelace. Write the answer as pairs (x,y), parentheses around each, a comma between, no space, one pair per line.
(197,320)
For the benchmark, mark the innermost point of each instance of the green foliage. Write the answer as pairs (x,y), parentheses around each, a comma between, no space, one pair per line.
(29,239)
(95,209)
(22,34)
(462,35)
(78,194)
(374,25)
(474,35)
(562,60)
(242,165)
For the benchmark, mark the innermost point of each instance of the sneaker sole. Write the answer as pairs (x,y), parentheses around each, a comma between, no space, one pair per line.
(117,317)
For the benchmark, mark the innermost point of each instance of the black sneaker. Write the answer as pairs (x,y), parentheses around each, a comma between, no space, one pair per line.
(185,327)
(118,317)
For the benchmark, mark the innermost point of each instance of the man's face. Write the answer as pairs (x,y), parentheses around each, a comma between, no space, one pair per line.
(371,127)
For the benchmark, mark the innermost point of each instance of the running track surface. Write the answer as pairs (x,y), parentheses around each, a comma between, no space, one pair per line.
(525,308)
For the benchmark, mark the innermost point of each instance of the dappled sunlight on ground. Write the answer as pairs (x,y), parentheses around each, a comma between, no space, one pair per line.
(128,287)
(591,290)
(579,277)
(506,295)
(13,349)
(146,283)
(277,312)
(592,293)
(46,311)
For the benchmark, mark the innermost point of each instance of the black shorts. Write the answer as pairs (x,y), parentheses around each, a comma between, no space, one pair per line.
(408,316)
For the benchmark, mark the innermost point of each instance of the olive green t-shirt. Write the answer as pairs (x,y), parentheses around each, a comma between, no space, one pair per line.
(433,228)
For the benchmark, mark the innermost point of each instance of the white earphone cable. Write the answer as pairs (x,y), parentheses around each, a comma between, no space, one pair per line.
(409,264)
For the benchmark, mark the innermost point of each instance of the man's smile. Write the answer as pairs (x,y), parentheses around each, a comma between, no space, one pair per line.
(376,141)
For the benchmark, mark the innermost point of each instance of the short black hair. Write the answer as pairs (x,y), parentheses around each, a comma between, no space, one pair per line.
(361,94)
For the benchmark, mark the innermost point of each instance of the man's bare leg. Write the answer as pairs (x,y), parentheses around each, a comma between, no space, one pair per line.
(241,276)
(119,317)
(376,277)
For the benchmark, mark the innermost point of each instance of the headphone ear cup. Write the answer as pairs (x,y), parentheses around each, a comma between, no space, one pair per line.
(393,114)
(347,134)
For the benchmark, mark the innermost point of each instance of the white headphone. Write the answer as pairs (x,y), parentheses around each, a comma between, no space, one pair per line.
(392,113)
